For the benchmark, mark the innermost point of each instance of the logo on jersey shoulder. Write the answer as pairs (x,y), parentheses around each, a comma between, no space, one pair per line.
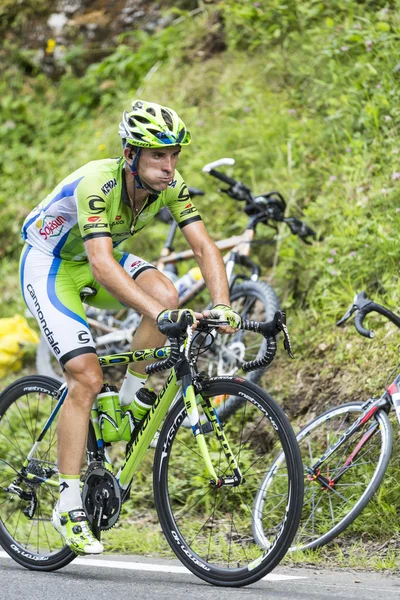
(96,204)
(93,219)
(187,211)
(51,226)
(183,195)
(95,226)
(173,183)
(108,186)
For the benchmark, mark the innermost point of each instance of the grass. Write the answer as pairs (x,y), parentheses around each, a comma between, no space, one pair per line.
(305,97)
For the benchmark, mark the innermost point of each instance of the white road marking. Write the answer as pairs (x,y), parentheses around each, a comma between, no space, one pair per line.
(139,566)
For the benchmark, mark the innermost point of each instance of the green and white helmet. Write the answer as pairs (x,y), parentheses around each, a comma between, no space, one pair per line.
(150,125)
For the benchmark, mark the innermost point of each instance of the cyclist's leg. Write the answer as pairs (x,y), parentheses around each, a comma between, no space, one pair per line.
(52,295)
(154,283)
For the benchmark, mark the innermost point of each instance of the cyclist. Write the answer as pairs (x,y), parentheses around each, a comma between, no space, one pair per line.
(72,241)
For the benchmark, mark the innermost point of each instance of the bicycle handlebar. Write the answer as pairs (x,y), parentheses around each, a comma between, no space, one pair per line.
(263,208)
(363,306)
(166,363)
(268,329)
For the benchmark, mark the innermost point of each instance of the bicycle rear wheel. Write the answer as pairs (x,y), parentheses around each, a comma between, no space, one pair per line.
(210,528)
(26,505)
(329,510)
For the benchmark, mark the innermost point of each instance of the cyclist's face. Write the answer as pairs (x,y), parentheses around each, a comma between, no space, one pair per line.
(157,166)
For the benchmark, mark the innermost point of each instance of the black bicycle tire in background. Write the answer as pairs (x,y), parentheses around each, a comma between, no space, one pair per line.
(25,406)
(183,493)
(316,498)
(250,292)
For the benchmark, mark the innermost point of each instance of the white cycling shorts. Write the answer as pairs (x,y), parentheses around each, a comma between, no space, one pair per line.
(51,288)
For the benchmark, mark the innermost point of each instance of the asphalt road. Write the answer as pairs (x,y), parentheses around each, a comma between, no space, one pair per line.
(116,577)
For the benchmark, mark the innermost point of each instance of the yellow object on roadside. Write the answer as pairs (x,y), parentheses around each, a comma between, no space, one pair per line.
(15,333)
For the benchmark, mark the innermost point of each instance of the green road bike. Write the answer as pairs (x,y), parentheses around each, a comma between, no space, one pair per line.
(205,477)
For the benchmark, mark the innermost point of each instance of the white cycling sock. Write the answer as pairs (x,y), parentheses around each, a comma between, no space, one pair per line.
(70,493)
(132,383)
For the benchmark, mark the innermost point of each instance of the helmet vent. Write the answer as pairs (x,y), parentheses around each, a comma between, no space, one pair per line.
(140,119)
(151,111)
(153,131)
(167,118)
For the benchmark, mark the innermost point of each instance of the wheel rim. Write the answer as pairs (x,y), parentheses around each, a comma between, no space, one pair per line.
(215,525)
(325,508)
(26,514)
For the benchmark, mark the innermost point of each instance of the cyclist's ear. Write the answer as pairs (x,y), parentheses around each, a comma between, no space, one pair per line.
(129,152)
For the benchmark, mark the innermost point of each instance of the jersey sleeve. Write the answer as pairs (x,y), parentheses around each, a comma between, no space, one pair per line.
(180,204)
(92,207)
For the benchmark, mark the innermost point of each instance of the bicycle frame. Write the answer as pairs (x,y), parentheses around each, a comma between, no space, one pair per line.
(239,246)
(179,381)
(372,406)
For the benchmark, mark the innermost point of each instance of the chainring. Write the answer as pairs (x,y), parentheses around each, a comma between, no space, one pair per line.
(101,496)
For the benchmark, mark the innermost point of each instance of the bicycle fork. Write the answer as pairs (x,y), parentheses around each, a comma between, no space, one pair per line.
(199,431)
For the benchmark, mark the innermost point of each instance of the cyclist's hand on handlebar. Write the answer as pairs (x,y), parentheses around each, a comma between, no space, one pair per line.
(225,313)
(180,317)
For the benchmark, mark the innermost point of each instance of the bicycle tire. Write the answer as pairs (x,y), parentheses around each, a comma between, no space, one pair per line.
(257,301)
(30,539)
(320,503)
(225,536)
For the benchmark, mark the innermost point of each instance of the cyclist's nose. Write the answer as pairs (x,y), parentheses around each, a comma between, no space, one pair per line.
(167,164)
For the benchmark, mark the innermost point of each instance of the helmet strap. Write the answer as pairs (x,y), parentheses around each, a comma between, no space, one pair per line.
(134,168)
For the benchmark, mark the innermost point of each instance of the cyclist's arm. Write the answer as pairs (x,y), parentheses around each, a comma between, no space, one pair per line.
(206,252)
(209,260)
(109,273)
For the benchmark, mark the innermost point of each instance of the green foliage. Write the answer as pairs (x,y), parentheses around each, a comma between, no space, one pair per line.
(13,15)
(307,101)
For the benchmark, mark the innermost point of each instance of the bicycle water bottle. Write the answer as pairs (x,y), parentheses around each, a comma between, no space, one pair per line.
(135,412)
(109,411)
(185,283)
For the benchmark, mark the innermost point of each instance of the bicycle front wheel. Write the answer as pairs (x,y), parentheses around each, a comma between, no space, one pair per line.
(359,465)
(29,475)
(210,528)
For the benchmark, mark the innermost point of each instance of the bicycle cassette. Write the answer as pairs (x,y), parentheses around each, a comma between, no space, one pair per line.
(101,496)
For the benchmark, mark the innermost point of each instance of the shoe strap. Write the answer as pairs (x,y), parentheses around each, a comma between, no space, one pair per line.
(77,516)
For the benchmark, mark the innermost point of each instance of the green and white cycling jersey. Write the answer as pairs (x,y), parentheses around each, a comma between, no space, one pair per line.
(93,202)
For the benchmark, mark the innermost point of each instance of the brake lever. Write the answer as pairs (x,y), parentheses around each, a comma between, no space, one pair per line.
(271,329)
(301,229)
(347,316)
(360,301)
(286,338)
